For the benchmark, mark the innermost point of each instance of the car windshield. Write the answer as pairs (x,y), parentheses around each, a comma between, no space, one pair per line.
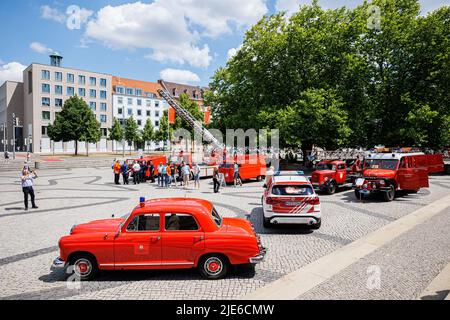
(390,164)
(216,217)
(326,166)
(292,190)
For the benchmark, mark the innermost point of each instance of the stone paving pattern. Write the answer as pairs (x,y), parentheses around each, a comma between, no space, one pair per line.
(28,240)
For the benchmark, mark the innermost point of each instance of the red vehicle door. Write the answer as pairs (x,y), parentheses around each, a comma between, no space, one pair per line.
(183,240)
(139,244)
(341,173)
(408,174)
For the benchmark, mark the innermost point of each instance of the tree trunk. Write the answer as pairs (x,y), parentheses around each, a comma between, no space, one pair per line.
(76,147)
(87,148)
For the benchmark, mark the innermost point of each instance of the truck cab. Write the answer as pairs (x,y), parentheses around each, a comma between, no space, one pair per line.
(331,175)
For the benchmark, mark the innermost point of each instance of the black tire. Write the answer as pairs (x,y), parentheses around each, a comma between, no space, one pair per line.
(316,226)
(213,266)
(390,195)
(83,266)
(266,223)
(332,188)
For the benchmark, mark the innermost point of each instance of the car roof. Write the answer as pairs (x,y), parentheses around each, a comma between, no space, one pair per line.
(289,179)
(388,156)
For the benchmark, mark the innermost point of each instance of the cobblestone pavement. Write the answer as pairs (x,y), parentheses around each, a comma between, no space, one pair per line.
(28,240)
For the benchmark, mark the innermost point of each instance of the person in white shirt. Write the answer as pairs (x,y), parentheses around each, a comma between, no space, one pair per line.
(196,170)
(186,175)
(136,173)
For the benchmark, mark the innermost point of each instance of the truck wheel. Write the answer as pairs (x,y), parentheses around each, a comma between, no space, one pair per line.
(213,267)
(266,223)
(83,266)
(390,195)
(332,189)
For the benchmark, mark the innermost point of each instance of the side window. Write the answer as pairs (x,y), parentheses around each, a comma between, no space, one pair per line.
(341,167)
(180,222)
(145,222)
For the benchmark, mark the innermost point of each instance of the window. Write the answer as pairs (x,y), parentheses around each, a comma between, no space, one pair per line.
(70,78)
(130,91)
(147,222)
(130,101)
(156,104)
(104,132)
(341,167)
(149,113)
(93,81)
(151,95)
(120,90)
(93,105)
(103,83)
(44,130)
(216,217)
(139,112)
(82,80)
(180,222)
(157,114)
(102,106)
(102,94)
(139,122)
(156,123)
(139,102)
(58,89)
(120,100)
(292,190)
(122,122)
(45,75)
(103,118)
(45,88)
(138,92)
(70,91)
(120,111)
(149,103)
(59,103)
(130,111)
(58,76)
(93,93)
(45,115)
(82,92)
(174,92)
(46,102)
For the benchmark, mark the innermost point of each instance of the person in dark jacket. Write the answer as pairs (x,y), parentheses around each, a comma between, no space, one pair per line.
(152,172)
(216,180)
(125,172)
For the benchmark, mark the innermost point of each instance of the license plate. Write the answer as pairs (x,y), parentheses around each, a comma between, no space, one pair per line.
(359,182)
(293,204)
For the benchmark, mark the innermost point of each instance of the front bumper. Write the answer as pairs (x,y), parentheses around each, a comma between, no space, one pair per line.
(259,258)
(58,264)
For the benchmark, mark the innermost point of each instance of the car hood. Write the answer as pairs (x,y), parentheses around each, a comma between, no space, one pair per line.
(379,173)
(323,172)
(106,225)
(236,225)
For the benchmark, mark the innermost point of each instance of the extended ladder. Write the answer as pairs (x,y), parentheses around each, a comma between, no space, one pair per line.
(189,118)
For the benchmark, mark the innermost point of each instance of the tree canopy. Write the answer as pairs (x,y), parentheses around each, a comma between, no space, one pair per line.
(328,77)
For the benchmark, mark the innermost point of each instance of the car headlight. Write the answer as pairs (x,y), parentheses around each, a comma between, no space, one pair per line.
(382,182)
(326,179)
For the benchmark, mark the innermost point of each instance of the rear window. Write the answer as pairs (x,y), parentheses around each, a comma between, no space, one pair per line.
(292,190)
(180,222)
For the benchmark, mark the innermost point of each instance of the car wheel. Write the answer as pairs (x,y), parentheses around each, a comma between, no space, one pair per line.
(266,223)
(331,189)
(357,194)
(390,195)
(84,267)
(213,267)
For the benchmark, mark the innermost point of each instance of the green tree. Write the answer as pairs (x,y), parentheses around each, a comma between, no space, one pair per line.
(148,133)
(116,132)
(131,132)
(165,131)
(76,122)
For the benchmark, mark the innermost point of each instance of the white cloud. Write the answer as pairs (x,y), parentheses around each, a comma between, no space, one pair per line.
(12,71)
(52,14)
(172,29)
(40,48)
(233,51)
(179,76)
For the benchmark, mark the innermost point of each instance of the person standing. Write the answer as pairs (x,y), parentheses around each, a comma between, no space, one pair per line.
(27,187)
(136,173)
(151,168)
(6,156)
(196,170)
(169,176)
(186,175)
(116,169)
(173,170)
(180,173)
(160,183)
(164,175)
(125,173)
(142,171)
(216,180)
(236,177)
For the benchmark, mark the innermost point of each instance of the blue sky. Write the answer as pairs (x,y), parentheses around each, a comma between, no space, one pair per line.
(179,40)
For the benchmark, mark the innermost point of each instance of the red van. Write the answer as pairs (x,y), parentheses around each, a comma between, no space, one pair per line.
(250,167)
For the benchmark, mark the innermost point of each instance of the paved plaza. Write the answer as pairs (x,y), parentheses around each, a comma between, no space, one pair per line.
(28,241)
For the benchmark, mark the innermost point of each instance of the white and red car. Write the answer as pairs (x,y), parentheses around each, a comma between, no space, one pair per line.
(289,198)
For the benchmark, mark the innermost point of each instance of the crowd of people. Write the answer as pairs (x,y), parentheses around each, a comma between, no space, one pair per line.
(165,175)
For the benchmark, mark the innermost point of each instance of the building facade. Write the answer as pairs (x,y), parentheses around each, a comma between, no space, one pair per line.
(11,103)
(140,100)
(47,87)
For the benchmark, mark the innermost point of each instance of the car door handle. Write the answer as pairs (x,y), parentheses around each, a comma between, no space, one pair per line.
(198,239)
(156,239)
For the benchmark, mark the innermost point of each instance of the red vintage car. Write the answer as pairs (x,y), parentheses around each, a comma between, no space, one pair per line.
(177,233)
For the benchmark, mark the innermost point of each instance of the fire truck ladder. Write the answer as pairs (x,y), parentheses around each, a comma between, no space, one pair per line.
(189,118)
(340,155)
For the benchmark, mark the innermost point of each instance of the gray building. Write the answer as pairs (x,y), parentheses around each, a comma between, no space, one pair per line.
(11,102)
(47,87)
